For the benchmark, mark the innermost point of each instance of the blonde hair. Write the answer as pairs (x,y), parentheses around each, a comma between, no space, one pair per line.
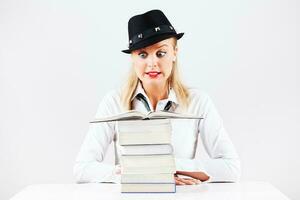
(174,81)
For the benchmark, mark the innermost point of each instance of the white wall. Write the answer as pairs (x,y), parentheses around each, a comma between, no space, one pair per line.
(58,59)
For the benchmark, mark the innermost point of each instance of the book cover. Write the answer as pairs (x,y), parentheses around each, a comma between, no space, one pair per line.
(137,115)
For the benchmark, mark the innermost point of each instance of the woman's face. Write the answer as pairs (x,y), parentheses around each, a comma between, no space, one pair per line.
(153,64)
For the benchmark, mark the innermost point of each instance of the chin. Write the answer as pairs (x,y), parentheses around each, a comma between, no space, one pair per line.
(155,81)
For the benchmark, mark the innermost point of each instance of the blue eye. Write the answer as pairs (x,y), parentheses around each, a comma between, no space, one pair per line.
(143,55)
(161,54)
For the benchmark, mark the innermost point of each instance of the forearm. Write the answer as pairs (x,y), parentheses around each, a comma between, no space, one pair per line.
(88,172)
(213,170)
(196,175)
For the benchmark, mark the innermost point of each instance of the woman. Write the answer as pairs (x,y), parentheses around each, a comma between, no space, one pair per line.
(153,85)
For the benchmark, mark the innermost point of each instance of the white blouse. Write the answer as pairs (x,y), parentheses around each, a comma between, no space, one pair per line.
(222,163)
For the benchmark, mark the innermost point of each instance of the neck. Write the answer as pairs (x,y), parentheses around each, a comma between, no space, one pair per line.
(156,93)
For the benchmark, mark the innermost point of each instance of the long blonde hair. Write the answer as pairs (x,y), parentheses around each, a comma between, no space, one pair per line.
(174,81)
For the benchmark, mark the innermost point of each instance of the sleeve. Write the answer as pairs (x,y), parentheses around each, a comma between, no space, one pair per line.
(223,164)
(89,166)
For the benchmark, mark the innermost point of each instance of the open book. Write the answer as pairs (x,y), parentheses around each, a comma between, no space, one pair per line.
(137,115)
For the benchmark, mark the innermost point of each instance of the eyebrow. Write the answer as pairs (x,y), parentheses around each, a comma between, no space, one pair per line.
(162,45)
(144,49)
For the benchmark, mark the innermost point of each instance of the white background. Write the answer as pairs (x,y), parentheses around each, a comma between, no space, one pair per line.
(58,59)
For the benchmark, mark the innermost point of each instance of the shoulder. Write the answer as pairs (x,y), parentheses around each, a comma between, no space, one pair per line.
(110,104)
(197,94)
(113,96)
(199,100)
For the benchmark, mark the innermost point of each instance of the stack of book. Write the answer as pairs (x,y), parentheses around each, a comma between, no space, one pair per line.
(147,159)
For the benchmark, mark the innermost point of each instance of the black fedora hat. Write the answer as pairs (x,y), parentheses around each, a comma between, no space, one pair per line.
(149,28)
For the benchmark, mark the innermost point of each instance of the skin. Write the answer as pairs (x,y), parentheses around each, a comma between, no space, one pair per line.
(196,178)
(158,59)
(153,66)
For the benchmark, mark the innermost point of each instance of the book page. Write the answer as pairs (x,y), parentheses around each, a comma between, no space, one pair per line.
(130,115)
(137,115)
(166,114)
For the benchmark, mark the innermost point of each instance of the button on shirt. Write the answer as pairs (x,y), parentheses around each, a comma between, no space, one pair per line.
(221,164)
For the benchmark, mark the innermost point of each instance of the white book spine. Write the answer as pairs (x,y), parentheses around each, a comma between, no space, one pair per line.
(146,149)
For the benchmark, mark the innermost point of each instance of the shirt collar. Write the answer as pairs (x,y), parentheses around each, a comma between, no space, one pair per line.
(140,90)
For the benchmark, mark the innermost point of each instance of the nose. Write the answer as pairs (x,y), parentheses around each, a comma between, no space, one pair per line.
(152,61)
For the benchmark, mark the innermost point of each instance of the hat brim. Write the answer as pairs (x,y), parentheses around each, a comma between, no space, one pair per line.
(152,40)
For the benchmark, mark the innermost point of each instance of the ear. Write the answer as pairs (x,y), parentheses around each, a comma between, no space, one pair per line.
(175,53)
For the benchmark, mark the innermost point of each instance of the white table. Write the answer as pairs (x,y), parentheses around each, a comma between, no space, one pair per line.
(204,191)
